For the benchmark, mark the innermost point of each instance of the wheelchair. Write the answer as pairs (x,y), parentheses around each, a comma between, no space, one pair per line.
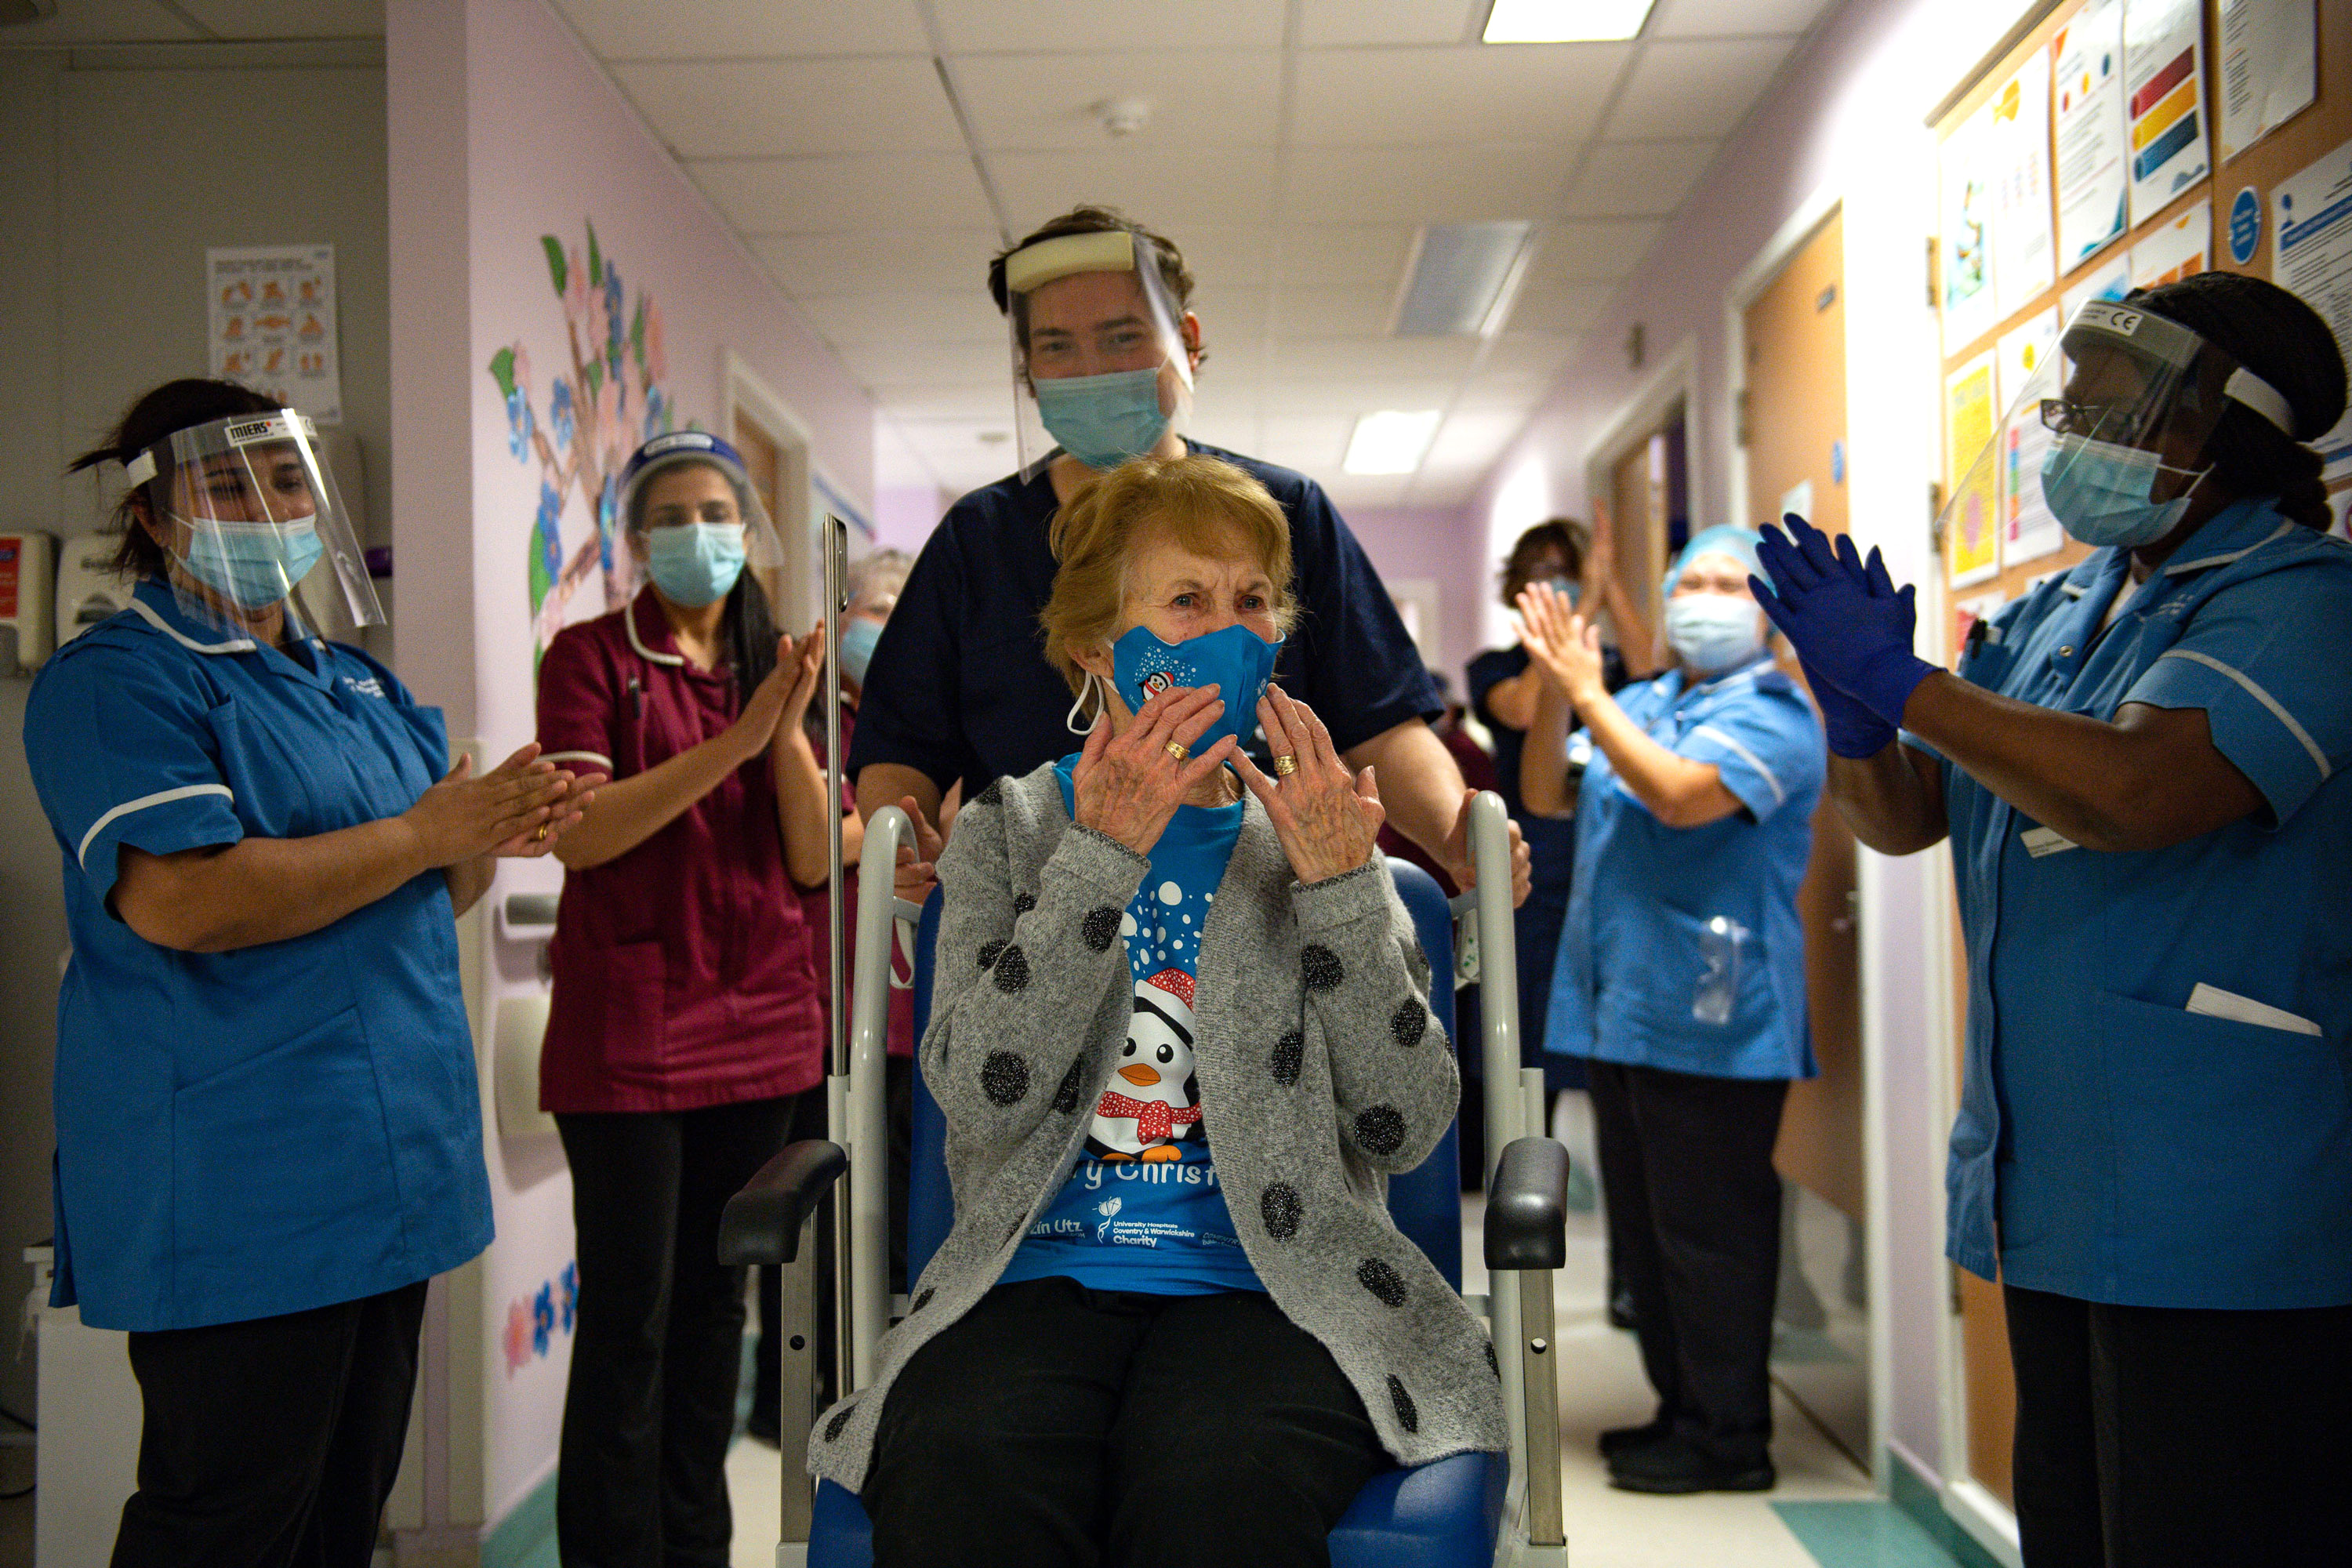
(1467,1511)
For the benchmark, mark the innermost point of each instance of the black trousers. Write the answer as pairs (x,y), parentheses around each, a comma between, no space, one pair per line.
(1694,1238)
(657,1350)
(1057,1424)
(273,1441)
(2163,1438)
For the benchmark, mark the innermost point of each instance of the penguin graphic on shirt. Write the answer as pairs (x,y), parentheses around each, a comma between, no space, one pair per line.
(1152,1103)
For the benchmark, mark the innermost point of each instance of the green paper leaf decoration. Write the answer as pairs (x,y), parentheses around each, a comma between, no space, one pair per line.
(595,261)
(556,266)
(502,372)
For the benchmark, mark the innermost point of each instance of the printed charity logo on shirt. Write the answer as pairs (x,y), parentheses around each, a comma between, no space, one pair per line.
(1151,1105)
(365,684)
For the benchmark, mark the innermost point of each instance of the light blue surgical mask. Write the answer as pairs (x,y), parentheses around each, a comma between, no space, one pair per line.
(1713,633)
(2099,493)
(696,563)
(1567,588)
(857,640)
(1234,659)
(251,565)
(1103,420)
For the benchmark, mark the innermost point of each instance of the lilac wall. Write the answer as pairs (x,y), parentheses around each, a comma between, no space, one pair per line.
(904,515)
(1438,543)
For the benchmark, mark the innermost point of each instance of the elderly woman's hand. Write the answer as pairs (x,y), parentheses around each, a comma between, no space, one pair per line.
(1561,644)
(1128,788)
(1327,819)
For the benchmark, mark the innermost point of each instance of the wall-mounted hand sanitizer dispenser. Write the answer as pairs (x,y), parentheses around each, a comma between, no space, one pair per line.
(27,601)
(87,590)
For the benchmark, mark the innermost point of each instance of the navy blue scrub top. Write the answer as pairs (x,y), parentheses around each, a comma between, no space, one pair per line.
(2110,1144)
(278,1127)
(1550,840)
(960,687)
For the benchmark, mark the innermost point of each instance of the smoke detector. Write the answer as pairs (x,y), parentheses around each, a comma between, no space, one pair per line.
(1124,116)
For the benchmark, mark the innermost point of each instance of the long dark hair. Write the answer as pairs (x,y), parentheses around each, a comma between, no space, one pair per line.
(2283,340)
(171,408)
(748,625)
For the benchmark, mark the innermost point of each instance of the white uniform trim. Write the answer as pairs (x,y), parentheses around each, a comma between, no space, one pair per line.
(2318,757)
(599,758)
(234,645)
(2226,557)
(1779,796)
(161,797)
(629,619)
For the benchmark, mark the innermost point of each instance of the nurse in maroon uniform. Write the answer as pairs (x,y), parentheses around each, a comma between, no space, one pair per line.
(684,1039)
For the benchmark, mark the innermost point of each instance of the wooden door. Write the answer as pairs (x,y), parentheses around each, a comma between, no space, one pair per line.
(1792,424)
(1638,519)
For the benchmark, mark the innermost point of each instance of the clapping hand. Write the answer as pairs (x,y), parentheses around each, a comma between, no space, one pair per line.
(518,809)
(1563,644)
(1327,818)
(1129,788)
(1849,623)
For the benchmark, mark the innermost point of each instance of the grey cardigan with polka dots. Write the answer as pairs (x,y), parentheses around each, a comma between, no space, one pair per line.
(1321,1070)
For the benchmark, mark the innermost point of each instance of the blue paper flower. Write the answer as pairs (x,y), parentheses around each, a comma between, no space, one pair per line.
(570,1280)
(559,413)
(519,425)
(542,1318)
(550,524)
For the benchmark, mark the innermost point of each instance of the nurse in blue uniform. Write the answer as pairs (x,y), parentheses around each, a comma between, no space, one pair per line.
(1681,979)
(2141,766)
(267,1124)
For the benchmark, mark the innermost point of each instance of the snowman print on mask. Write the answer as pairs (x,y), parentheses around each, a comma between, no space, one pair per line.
(1151,1105)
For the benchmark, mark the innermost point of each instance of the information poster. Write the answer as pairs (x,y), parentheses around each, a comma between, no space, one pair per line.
(273,324)
(2086,67)
(2164,86)
(2028,531)
(2175,249)
(2268,68)
(1971,535)
(2110,280)
(2024,258)
(1965,182)
(2312,216)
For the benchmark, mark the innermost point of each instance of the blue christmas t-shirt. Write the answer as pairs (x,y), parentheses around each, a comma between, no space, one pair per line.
(1142,1210)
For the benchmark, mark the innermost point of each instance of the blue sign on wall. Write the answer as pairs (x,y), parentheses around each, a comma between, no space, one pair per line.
(2245,225)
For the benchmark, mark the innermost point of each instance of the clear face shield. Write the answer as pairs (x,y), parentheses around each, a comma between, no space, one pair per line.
(249,512)
(1099,367)
(2107,437)
(694,522)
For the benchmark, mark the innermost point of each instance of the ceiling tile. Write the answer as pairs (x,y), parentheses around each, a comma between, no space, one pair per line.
(1363,489)
(105,22)
(1560,307)
(966,315)
(1222,254)
(1070,26)
(1425,184)
(1474,439)
(971,405)
(1345,255)
(1166,188)
(888,366)
(1695,88)
(1326,24)
(1333,312)
(1733,19)
(1526,353)
(1368,360)
(1234,432)
(879,262)
(831,195)
(1367,98)
(1303,390)
(1637,179)
(793,108)
(279,18)
(1231,313)
(1228,97)
(1591,251)
(632,30)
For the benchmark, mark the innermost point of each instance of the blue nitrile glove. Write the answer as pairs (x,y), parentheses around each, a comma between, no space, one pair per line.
(1848,622)
(1853,729)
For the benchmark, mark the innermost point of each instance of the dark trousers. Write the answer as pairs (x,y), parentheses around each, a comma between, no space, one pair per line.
(2157,1436)
(273,1441)
(1694,1238)
(1056,1425)
(657,1351)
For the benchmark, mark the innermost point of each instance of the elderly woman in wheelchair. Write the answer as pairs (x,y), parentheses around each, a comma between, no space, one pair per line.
(1181,1034)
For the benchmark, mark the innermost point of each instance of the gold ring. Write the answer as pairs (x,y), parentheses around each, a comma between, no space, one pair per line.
(540,836)
(1283,766)
(1178,750)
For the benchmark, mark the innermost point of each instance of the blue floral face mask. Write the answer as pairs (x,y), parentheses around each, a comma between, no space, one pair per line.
(1103,420)
(2099,493)
(695,562)
(1234,659)
(251,565)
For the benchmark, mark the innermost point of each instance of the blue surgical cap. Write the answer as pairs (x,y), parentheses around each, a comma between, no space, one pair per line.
(1739,544)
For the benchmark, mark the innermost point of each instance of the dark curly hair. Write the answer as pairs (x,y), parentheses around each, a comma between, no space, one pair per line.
(171,408)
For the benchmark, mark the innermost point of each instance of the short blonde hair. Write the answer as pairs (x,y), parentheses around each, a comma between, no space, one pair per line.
(1203,505)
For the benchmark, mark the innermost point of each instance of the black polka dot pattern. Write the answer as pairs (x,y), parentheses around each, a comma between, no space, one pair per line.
(1279,1206)
(994,795)
(1022,904)
(1492,1364)
(1380,1130)
(1408,1414)
(1410,1022)
(1289,1056)
(1416,963)
(989,951)
(841,1419)
(1066,1097)
(924,1300)
(1012,969)
(1004,1077)
(1100,928)
(1385,1283)
(1320,966)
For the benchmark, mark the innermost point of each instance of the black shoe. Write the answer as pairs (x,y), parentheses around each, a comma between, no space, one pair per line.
(1676,1466)
(1625,1439)
(1621,1307)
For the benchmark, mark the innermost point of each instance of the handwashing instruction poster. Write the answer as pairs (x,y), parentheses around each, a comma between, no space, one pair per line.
(272,310)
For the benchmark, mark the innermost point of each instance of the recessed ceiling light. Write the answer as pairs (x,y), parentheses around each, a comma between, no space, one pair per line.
(1461,279)
(1390,442)
(1564,21)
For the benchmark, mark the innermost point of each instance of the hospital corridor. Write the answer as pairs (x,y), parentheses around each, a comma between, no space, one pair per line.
(1355,783)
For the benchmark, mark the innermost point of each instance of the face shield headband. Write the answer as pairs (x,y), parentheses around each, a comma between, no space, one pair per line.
(695,540)
(1100,366)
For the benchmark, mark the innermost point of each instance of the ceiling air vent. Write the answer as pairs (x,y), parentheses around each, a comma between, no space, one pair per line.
(1460,279)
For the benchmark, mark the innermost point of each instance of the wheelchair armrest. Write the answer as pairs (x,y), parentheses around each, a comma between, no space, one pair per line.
(762,1223)
(1527,1211)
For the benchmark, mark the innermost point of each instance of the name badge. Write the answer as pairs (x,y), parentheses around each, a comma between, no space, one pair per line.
(2041,841)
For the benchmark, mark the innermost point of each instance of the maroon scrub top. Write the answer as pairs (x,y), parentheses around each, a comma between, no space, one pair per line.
(685,972)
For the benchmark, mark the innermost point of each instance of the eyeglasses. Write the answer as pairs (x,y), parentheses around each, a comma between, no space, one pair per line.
(2117,422)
